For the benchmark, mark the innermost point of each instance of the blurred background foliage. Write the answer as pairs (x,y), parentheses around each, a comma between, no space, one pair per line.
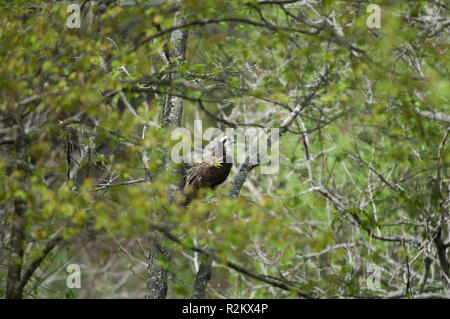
(363,181)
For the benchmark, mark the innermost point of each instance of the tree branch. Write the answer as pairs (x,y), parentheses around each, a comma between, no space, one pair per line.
(37,261)
(246,167)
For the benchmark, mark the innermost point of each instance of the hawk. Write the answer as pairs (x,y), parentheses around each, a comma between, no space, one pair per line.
(210,173)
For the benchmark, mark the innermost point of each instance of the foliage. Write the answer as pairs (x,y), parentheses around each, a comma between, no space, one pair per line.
(363,178)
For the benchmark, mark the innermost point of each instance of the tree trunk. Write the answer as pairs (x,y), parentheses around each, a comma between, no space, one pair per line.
(156,275)
(15,261)
(443,261)
(202,278)
(171,117)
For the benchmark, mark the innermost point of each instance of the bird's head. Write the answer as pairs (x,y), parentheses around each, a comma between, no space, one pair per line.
(226,140)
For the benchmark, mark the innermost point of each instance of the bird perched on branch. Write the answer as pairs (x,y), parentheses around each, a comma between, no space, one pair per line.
(210,173)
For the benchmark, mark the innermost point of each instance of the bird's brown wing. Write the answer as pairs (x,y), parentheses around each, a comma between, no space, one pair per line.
(202,175)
